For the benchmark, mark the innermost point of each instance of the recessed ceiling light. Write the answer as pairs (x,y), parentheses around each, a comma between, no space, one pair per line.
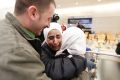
(76,3)
(99,0)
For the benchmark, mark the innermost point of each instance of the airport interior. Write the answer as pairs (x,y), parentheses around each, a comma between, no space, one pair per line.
(101,21)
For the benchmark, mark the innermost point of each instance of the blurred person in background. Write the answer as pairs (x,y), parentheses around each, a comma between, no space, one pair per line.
(80,26)
(64,27)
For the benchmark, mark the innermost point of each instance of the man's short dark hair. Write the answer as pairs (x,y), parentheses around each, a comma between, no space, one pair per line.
(22,5)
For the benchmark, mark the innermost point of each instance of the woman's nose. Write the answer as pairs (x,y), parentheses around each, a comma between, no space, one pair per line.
(55,41)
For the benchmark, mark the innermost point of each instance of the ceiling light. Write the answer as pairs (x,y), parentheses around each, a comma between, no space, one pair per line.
(76,3)
(99,0)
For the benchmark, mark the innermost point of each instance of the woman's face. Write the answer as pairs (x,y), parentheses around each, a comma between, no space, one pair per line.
(54,39)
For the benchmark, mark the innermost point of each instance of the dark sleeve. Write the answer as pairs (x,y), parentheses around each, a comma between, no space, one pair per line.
(80,64)
(62,67)
(118,49)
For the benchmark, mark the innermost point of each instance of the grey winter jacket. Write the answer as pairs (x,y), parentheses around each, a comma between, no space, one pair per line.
(18,59)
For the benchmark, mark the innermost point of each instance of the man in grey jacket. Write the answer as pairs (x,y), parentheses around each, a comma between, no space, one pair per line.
(19,59)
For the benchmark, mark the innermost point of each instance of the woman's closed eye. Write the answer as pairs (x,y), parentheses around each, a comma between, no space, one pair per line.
(51,37)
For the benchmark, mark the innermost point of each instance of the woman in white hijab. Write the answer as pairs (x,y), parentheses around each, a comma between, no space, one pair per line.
(73,39)
(53,25)
(60,67)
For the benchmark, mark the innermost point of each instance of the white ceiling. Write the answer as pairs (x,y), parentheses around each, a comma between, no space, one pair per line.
(85,7)
(76,3)
(88,7)
(64,3)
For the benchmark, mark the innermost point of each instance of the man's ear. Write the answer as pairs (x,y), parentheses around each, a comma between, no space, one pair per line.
(33,12)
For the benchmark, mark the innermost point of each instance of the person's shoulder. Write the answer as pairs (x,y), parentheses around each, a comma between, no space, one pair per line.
(118,49)
(45,48)
(44,45)
(118,44)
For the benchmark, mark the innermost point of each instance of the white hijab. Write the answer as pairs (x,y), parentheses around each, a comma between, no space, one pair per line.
(53,25)
(74,41)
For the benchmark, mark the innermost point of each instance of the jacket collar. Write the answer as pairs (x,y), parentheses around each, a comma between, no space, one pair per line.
(16,24)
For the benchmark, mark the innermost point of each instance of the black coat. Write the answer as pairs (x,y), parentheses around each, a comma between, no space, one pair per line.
(61,67)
